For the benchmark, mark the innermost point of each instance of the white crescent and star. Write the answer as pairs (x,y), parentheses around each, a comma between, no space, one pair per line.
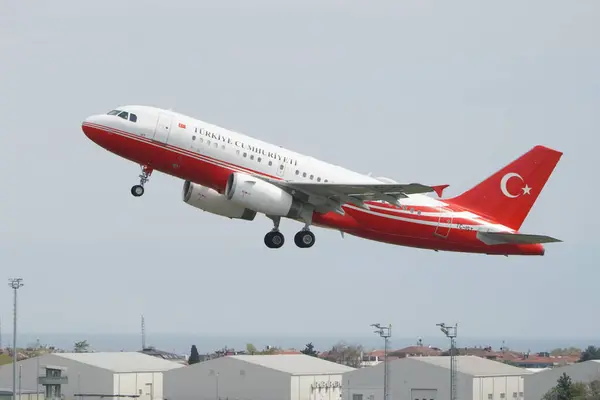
(526,189)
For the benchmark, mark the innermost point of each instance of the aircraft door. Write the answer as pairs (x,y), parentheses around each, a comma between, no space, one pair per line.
(444,224)
(163,128)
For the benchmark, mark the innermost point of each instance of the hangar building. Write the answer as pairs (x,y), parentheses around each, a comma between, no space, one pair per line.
(538,384)
(94,374)
(428,378)
(257,377)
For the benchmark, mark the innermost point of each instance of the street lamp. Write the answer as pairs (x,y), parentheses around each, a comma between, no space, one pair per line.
(15,284)
(385,332)
(451,333)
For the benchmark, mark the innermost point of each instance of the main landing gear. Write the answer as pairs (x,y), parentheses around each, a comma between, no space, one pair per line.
(275,239)
(138,190)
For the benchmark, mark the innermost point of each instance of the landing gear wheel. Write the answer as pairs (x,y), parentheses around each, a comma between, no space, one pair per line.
(137,190)
(304,239)
(274,239)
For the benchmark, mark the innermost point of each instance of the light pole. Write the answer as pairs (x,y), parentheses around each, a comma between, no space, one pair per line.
(385,332)
(451,333)
(15,284)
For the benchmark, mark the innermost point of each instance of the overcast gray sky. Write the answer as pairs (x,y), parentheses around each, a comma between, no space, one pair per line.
(417,91)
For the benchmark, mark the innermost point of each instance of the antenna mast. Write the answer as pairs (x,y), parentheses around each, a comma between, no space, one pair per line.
(143,333)
(451,333)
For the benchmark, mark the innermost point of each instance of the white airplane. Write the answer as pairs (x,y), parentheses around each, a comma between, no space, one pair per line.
(237,176)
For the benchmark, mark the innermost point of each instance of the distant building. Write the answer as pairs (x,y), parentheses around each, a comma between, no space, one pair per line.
(95,375)
(165,355)
(375,357)
(284,376)
(427,378)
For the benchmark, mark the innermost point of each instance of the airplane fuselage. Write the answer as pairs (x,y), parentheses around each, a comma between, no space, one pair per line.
(205,154)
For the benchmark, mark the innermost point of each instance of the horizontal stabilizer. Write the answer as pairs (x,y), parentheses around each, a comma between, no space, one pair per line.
(492,238)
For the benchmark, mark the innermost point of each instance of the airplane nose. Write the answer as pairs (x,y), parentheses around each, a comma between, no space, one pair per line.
(87,126)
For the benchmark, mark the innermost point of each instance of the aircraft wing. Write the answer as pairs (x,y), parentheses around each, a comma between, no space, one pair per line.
(335,195)
(492,238)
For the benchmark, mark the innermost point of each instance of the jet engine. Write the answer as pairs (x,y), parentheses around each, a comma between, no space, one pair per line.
(210,200)
(261,196)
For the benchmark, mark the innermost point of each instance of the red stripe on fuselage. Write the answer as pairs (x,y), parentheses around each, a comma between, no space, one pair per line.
(384,222)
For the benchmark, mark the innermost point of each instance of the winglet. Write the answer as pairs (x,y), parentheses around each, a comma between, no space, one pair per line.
(439,189)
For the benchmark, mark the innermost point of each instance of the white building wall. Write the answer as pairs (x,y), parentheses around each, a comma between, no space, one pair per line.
(536,385)
(230,378)
(148,385)
(409,380)
(305,387)
(498,387)
(82,377)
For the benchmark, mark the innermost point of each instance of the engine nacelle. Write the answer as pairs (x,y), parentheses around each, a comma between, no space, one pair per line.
(210,200)
(262,196)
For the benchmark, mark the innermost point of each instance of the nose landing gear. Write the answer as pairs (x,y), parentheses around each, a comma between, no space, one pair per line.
(138,190)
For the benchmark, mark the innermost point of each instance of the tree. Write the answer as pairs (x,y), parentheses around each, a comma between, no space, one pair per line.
(81,347)
(567,351)
(194,355)
(269,350)
(309,350)
(566,389)
(590,353)
(346,354)
(250,349)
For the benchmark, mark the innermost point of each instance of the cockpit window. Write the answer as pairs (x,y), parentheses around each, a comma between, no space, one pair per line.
(123,114)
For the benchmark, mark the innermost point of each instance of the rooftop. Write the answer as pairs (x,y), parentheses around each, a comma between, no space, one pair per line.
(122,361)
(475,366)
(295,364)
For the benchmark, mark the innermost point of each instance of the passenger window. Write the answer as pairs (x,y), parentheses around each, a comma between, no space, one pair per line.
(194,137)
(237,152)
(252,156)
(133,117)
(216,145)
(311,177)
(281,166)
(259,159)
(325,180)
(208,142)
(124,114)
(297,172)
(270,163)
(319,179)
(304,174)
(245,154)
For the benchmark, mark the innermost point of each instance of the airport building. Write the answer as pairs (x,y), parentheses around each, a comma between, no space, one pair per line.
(538,384)
(258,377)
(92,375)
(428,378)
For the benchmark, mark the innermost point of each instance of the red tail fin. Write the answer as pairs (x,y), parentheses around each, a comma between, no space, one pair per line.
(507,196)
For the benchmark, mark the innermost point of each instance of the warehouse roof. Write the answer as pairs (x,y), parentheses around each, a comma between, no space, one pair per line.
(295,364)
(122,361)
(475,366)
